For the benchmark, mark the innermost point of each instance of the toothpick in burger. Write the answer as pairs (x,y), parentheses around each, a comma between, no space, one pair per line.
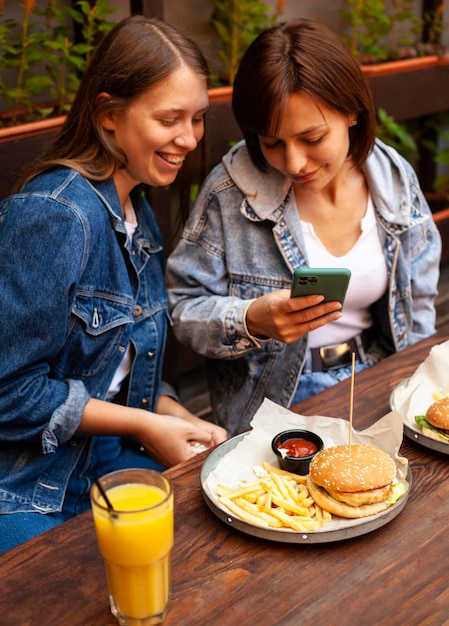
(354,481)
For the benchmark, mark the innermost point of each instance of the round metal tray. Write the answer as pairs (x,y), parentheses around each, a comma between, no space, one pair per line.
(347,529)
(414,433)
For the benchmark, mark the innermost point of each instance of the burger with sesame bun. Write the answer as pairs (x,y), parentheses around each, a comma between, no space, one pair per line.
(435,423)
(354,481)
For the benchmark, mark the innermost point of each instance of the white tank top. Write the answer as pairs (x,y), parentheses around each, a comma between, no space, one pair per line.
(368,281)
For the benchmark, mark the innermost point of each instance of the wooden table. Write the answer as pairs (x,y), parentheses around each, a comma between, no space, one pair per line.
(396,575)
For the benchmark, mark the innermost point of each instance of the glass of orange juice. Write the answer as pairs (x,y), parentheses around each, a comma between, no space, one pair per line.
(135,540)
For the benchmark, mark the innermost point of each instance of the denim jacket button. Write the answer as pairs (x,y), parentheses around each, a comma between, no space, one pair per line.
(151,355)
(137,310)
(145,402)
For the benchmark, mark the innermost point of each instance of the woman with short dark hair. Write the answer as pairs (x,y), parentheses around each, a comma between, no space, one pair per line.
(289,60)
(310,186)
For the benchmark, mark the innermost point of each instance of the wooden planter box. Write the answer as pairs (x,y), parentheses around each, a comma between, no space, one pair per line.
(405,89)
(21,144)
(412,88)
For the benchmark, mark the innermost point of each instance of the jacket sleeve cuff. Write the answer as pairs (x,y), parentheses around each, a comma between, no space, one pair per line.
(66,418)
(237,329)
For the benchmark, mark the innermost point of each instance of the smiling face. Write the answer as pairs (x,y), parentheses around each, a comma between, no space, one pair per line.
(159,128)
(311,144)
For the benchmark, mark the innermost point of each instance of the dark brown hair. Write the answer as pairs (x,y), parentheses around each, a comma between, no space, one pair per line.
(130,59)
(301,56)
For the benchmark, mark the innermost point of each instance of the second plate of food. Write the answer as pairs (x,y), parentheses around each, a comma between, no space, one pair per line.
(411,428)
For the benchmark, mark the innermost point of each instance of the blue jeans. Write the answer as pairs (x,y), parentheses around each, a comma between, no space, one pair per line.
(108,454)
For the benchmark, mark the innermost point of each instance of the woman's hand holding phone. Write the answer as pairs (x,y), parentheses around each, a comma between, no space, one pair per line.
(277,315)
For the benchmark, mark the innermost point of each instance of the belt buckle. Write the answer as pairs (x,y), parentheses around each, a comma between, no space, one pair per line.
(335,355)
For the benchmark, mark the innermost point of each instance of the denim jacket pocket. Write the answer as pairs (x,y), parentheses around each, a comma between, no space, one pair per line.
(97,333)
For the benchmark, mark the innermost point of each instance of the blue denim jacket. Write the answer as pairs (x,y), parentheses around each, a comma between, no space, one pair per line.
(240,243)
(74,292)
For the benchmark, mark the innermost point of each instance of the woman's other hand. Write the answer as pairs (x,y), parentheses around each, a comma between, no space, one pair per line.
(171,440)
(169,435)
(175,431)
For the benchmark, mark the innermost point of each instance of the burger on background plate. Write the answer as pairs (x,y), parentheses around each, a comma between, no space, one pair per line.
(435,423)
(354,481)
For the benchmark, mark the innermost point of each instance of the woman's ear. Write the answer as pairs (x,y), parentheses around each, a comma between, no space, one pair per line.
(108,116)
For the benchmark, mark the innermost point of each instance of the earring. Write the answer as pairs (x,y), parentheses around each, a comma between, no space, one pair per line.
(354,123)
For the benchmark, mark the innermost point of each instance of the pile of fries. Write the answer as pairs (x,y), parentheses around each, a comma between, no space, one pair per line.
(277,499)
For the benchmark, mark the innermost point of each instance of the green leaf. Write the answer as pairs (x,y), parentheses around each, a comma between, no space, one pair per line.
(421,421)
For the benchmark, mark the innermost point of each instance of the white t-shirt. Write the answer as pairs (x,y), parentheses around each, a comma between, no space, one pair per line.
(368,281)
(125,364)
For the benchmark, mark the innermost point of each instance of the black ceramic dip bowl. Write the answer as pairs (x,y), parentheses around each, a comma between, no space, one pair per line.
(295,449)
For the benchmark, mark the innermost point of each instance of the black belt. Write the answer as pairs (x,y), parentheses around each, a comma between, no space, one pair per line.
(338,355)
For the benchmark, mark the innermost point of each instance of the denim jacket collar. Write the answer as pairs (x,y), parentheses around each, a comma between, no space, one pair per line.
(390,186)
(107,192)
(265,192)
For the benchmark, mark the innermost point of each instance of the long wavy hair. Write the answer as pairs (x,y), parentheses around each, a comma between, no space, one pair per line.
(131,58)
(301,56)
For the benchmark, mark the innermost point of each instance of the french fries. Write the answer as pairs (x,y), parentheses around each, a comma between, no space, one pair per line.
(277,499)
(439,396)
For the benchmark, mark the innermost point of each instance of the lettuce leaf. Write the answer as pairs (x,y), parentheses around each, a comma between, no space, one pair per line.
(398,490)
(421,421)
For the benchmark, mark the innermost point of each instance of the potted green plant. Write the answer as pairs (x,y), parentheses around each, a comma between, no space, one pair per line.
(45,52)
(401,54)
(385,32)
(407,69)
(238,22)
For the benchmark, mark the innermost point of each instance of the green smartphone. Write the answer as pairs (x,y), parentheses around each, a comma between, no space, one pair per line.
(331,282)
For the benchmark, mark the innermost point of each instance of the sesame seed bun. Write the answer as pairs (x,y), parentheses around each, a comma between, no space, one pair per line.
(359,467)
(352,481)
(438,414)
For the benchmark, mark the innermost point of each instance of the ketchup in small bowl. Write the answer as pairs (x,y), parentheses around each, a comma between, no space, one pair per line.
(295,449)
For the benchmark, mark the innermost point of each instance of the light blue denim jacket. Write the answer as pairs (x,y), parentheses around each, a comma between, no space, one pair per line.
(74,292)
(243,239)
